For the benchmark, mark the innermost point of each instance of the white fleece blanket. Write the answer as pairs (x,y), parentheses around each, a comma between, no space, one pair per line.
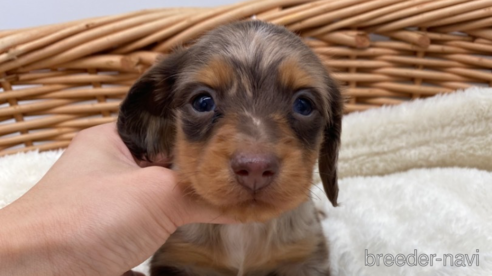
(416,188)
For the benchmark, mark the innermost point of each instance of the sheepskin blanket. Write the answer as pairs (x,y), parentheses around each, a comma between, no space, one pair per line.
(415,188)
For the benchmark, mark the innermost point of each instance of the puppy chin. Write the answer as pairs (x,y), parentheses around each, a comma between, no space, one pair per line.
(260,211)
(254,212)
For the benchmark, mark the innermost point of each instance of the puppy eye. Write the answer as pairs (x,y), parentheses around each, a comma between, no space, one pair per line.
(203,103)
(303,106)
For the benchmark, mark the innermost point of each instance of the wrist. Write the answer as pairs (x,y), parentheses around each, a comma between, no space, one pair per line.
(33,243)
(24,247)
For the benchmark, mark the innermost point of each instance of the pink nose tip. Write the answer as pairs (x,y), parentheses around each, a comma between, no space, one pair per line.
(254,171)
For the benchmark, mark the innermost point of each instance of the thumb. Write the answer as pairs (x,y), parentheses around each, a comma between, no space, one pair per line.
(184,207)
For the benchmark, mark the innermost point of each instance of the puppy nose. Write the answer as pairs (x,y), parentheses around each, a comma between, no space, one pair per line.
(254,171)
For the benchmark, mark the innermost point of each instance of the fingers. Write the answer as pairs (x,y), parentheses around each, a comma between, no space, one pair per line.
(187,207)
(103,143)
(160,160)
(180,206)
(132,273)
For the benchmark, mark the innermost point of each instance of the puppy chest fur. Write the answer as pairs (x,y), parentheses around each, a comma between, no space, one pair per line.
(242,115)
(252,246)
(291,244)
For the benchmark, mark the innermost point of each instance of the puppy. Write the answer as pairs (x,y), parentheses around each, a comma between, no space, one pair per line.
(244,113)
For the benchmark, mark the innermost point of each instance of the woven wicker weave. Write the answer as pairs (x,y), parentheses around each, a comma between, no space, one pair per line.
(59,79)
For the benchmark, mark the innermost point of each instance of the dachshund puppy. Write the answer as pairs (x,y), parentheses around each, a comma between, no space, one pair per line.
(244,114)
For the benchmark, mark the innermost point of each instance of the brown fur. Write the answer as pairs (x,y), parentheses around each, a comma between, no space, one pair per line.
(180,252)
(281,246)
(292,75)
(289,190)
(216,73)
(254,72)
(183,253)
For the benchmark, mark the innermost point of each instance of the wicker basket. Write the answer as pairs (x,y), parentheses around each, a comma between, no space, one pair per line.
(59,79)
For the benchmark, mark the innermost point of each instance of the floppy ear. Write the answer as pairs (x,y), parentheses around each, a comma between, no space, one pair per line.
(328,154)
(146,121)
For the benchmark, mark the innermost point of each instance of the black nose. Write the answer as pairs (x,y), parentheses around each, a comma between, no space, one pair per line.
(254,170)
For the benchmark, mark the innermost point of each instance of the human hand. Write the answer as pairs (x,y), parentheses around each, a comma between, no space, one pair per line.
(95,212)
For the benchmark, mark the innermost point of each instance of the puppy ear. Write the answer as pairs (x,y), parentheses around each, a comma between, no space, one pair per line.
(328,154)
(146,121)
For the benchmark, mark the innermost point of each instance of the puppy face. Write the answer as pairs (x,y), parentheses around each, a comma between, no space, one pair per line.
(245,113)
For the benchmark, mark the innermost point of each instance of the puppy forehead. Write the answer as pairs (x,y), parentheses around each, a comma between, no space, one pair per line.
(254,58)
(256,46)
(216,72)
(288,71)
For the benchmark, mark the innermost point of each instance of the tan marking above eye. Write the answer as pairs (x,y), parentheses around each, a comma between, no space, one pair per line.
(292,75)
(216,73)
